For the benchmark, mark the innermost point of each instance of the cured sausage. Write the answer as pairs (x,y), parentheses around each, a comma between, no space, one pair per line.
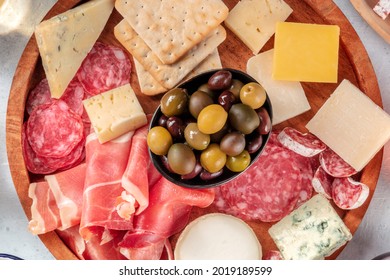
(38,96)
(322,182)
(335,165)
(305,144)
(105,67)
(349,194)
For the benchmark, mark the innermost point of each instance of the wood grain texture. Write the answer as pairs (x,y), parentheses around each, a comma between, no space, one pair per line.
(354,65)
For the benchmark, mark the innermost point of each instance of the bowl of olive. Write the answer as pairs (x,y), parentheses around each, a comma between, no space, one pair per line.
(210,129)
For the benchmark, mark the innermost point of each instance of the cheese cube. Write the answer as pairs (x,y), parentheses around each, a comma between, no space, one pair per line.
(66,39)
(306,52)
(288,98)
(253,21)
(352,125)
(114,113)
(312,231)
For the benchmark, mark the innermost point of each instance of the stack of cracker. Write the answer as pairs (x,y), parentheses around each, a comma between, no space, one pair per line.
(171,40)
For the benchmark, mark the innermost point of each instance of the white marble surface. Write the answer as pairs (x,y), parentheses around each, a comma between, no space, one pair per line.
(16,25)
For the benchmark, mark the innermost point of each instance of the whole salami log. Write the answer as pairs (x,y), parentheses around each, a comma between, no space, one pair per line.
(105,67)
(335,165)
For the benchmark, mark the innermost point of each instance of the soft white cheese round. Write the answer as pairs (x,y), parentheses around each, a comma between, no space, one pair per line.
(218,237)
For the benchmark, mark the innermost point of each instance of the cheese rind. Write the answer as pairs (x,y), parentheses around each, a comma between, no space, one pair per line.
(306,52)
(115,112)
(352,125)
(312,231)
(65,40)
(253,21)
(288,98)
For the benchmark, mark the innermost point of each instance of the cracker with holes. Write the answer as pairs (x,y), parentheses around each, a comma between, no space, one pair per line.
(172,27)
(168,75)
(149,85)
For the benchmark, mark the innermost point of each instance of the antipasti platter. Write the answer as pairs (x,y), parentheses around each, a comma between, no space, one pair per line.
(159,222)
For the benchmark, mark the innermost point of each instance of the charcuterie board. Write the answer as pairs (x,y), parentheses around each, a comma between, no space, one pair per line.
(354,65)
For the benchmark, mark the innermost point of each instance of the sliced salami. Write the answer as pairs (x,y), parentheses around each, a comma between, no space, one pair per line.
(305,144)
(322,182)
(335,165)
(73,96)
(349,194)
(272,255)
(271,188)
(38,96)
(53,130)
(105,67)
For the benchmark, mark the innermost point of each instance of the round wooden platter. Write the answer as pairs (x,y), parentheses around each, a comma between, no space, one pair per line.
(354,65)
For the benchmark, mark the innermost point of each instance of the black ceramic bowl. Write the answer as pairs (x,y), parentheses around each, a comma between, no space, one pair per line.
(191,86)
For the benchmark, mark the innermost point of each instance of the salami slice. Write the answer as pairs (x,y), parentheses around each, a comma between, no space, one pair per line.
(322,182)
(335,165)
(271,188)
(105,67)
(53,130)
(305,144)
(38,96)
(272,255)
(73,96)
(349,194)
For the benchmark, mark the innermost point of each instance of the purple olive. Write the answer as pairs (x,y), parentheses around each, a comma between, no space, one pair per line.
(162,121)
(254,142)
(198,168)
(206,176)
(220,80)
(226,99)
(164,160)
(265,121)
(176,127)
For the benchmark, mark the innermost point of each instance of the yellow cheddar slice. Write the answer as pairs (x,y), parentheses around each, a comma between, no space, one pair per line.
(352,125)
(115,112)
(66,39)
(306,52)
(253,21)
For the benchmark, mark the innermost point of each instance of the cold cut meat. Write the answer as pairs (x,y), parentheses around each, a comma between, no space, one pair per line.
(38,96)
(272,255)
(53,130)
(105,67)
(322,182)
(335,165)
(305,144)
(349,194)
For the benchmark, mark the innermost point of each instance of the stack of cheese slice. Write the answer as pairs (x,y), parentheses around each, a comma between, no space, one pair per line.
(170,40)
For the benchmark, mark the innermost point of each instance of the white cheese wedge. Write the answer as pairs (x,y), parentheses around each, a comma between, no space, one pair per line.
(288,99)
(65,40)
(313,231)
(253,21)
(218,237)
(115,112)
(352,125)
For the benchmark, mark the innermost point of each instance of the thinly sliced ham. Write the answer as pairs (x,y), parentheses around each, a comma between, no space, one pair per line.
(57,201)
(103,192)
(167,213)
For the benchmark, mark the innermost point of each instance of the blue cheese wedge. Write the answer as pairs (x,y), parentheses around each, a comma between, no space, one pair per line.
(66,39)
(115,112)
(312,231)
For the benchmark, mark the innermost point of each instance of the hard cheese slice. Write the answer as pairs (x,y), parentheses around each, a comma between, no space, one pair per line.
(306,52)
(115,112)
(253,21)
(287,98)
(352,125)
(313,231)
(65,40)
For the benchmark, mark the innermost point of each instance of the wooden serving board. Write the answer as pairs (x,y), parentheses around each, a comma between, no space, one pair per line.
(354,65)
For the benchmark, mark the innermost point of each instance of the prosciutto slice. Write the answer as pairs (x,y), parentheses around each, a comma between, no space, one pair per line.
(103,192)
(57,201)
(168,213)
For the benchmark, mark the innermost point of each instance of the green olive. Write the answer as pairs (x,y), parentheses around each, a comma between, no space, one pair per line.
(195,138)
(205,88)
(253,94)
(174,102)
(236,87)
(181,159)
(243,118)
(212,158)
(212,119)
(233,143)
(159,140)
(198,101)
(238,163)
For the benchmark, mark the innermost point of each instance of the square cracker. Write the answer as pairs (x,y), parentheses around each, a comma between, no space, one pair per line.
(168,75)
(172,27)
(149,85)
